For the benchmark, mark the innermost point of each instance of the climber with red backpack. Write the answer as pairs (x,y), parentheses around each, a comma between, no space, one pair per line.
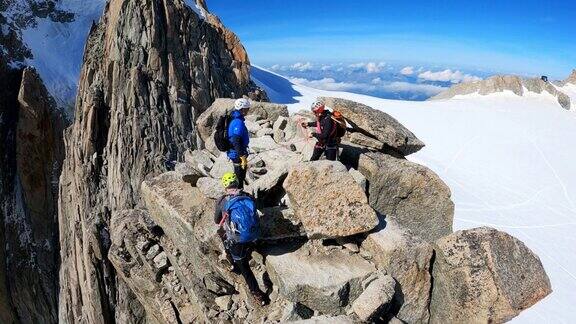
(330,127)
(239,223)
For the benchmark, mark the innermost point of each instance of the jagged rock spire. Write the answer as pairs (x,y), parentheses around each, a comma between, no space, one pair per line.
(150,68)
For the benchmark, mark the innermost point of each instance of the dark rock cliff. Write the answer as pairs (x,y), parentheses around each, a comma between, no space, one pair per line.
(32,152)
(150,68)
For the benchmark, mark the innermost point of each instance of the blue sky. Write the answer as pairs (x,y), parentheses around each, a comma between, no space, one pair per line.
(522,37)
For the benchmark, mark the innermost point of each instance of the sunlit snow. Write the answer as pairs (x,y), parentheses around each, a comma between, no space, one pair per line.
(509,161)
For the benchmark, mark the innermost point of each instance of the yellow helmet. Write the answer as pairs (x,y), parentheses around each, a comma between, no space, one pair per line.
(228,179)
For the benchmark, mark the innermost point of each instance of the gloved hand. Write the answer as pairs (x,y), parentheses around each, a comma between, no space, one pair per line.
(244,162)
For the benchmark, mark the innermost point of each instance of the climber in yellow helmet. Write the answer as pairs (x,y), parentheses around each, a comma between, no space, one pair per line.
(239,222)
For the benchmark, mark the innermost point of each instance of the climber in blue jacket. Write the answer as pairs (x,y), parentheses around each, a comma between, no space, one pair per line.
(239,139)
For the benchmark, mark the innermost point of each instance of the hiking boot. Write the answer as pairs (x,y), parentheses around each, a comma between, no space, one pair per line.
(260,298)
(228,263)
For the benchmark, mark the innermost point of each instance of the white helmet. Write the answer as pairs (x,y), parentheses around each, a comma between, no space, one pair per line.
(318,107)
(242,103)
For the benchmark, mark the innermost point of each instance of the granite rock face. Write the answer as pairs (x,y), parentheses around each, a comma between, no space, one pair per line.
(328,201)
(321,282)
(376,125)
(484,276)
(32,152)
(376,299)
(150,69)
(408,259)
(409,194)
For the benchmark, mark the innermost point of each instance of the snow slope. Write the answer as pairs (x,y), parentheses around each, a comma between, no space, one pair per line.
(58,47)
(509,162)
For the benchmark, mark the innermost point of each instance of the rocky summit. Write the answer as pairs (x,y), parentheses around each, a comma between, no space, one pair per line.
(111,219)
(330,252)
(501,83)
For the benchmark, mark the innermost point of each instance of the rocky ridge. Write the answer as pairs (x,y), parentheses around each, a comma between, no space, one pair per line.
(315,264)
(500,83)
(571,79)
(150,69)
(32,152)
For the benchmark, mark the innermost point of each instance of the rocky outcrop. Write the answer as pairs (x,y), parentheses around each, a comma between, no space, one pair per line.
(150,69)
(259,110)
(326,283)
(484,276)
(500,83)
(315,268)
(408,193)
(571,79)
(32,157)
(9,86)
(144,265)
(376,125)
(328,201)
(376,299)
(408,259)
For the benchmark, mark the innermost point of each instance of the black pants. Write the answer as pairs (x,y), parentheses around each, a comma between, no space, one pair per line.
(241,254)
(330,151)
(240,173)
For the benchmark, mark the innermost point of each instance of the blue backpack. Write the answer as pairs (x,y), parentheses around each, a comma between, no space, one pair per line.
(243,220)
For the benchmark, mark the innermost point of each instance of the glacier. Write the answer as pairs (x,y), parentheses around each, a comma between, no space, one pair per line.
(509,161)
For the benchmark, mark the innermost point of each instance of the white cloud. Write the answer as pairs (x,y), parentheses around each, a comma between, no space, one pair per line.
(376,84)
(375,67)
(408,70)
(326,68)
(428,89)
(276,67)
(370,67)
(448,75)
(302,66)
(357,65)
(330,84)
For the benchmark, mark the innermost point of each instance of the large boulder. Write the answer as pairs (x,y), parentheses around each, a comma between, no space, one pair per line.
(408,193)
(261,144)
(328,201)
(178,207)
(207,120)
(376,299)
(268,188)
(199,159)
(322,282)
(376,124)
(407,258)
(279,223)
(143,265)
(221,166)
(483,275)
(210,187)
(279,158)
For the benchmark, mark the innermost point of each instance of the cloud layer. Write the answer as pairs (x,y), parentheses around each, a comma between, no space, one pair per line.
(377,85)
(448,76)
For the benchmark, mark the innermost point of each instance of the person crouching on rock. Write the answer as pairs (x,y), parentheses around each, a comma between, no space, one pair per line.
(236,214)
(239,139)
(325,133)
